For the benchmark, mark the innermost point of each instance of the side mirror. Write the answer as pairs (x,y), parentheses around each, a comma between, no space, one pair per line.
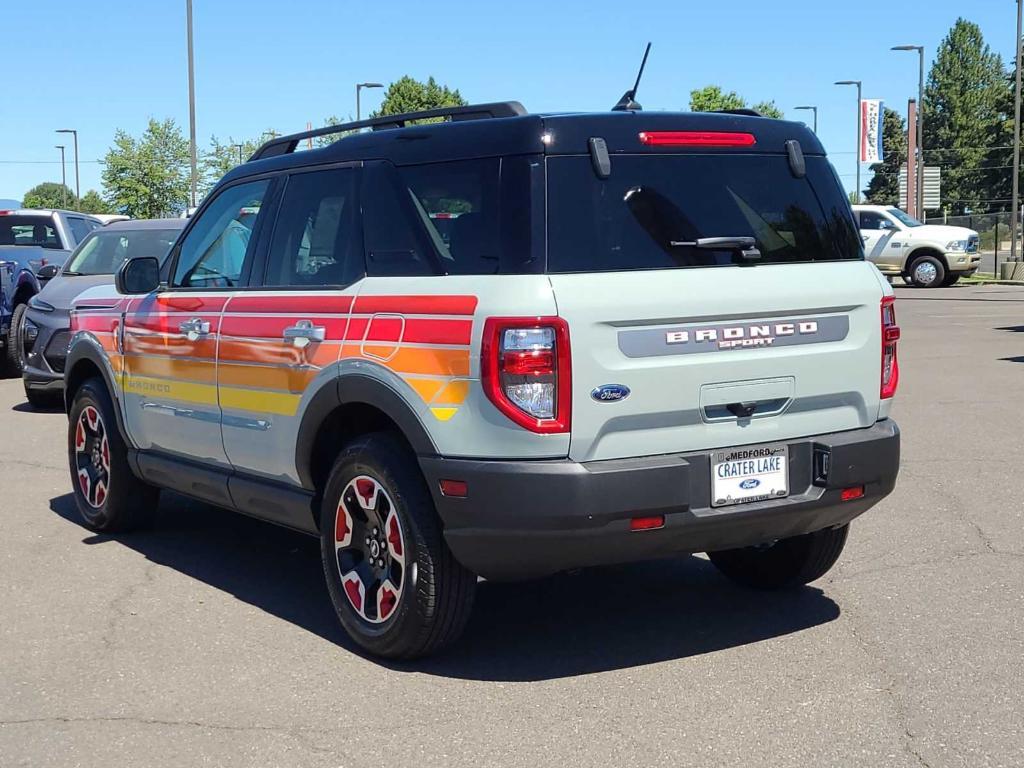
(138,275)
(48,272)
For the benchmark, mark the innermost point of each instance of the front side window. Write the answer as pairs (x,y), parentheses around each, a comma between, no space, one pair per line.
(215,249)
(872,221)
(104,251)
(317,240)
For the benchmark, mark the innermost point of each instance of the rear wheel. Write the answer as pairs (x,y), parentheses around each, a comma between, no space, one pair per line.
(927,272)
(396,588)
(786,563)
(108,495)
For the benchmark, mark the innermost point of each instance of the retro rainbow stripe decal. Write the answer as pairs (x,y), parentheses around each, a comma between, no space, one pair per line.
(245,364)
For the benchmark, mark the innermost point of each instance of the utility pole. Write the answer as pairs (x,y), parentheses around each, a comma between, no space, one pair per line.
(920,127)
(1015,218)
(815,110)
(78,189)
(858,83)
(191,102)
(63,179)
(912,159)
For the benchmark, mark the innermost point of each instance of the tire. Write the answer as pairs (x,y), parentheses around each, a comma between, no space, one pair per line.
(108,495)
(951,279)
(787,563)
(42,398)
(927,272)
(14,354)
(419,601)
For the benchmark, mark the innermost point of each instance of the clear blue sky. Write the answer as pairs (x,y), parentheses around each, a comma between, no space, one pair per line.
(99,65)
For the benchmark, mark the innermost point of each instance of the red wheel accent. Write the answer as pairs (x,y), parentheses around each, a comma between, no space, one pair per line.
(342,527)
(354,590)
(366,489)
(395,537)
(79,437)
(387,599)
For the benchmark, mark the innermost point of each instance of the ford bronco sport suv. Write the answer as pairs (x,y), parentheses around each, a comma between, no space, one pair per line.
(642,335)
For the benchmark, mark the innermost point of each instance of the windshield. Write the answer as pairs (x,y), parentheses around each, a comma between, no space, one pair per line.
(653,208)
(905,218)
(105,250)
(29,230)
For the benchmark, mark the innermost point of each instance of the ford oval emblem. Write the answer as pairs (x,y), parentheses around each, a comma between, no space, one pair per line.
(751,482)
(610,393)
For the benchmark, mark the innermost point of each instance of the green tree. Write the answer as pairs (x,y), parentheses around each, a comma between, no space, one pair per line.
(330,138)
(50,194)
(91,202)
(964,102)
(221,157)
(148,177)
(410,95)
(711,98)
(884,187)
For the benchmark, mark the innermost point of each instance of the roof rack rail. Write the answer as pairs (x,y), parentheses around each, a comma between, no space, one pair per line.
(741,111)
(284,145)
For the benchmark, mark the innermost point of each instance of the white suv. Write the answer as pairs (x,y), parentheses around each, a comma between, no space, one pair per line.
(926,255)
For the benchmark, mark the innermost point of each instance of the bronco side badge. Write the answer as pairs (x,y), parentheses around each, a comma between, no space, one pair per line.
(610,393)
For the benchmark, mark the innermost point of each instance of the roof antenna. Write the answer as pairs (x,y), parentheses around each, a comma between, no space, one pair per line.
(627,102)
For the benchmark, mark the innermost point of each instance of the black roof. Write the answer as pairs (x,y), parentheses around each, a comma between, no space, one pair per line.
(522,134)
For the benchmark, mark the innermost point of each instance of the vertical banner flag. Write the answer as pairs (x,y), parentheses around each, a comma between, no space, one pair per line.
(871,131)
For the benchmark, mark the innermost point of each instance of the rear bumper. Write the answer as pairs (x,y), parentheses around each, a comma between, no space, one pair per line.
(532,518)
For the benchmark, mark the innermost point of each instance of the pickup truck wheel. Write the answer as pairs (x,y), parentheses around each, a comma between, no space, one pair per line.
(927,272)
(786,563)
(14,353)
(394,584)
(951,279)
(108,495)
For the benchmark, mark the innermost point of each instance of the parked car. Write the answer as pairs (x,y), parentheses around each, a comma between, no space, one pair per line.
(33,245)
(647,334)
(46,324)
(925,255)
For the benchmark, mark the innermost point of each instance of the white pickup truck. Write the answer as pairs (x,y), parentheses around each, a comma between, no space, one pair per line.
(926,255)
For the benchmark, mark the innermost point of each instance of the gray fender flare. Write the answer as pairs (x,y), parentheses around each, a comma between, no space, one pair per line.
(84,347)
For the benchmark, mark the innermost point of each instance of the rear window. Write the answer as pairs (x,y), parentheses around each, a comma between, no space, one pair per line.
(653,208)
(28,230)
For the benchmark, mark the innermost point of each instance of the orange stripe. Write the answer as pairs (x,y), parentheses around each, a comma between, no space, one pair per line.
(277,353)
(435,362)
(294,380)
(172,368)
(170,345)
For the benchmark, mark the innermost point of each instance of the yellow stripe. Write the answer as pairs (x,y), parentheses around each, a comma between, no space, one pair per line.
(443,414)
(280,403)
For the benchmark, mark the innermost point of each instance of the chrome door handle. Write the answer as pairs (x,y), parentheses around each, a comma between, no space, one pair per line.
(303,332)
(195,328)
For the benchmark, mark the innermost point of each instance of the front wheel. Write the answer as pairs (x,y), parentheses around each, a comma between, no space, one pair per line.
(951,279)
(927,272)
(786,563)
(14,352)
(396,587)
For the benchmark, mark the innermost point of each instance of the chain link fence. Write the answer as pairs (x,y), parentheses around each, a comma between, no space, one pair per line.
(994,230)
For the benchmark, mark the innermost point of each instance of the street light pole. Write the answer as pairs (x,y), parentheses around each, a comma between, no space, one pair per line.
(359,87)
(78,189)
(191,102)
(1015,217)
(920,124)
(240,148)
(858,83)
(63,178)
(815,110)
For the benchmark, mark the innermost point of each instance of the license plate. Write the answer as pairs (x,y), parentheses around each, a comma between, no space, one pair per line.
(743,475)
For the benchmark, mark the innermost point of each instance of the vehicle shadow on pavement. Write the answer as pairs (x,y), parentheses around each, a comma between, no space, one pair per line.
(27,408)
(597,620)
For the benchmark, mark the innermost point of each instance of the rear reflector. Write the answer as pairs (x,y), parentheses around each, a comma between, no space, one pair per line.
(458,489)
(697,139)
(849,494)
(647,523)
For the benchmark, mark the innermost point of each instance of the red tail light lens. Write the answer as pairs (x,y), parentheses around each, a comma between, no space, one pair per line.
(890,335)
(526,371)
(697,139)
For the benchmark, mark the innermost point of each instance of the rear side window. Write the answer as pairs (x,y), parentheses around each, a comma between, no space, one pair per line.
(28,230)
(317,238)
(80,228)
(395,243)
(653,208)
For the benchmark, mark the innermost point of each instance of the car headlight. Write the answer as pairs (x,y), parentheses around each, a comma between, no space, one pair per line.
(36,303)
(956,245)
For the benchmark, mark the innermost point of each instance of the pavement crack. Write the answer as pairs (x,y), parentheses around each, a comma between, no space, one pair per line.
(119,603)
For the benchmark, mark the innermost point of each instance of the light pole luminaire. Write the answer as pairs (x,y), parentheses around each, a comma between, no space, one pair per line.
(920,125)
(74,133)
(813,109)
(359,87)
(859,84)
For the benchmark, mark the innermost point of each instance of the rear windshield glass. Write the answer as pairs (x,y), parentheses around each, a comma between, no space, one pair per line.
(28,230)
(651,211)
(106,250)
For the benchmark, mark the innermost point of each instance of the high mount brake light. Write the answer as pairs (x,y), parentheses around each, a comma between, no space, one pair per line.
(526,369)
(890,362)
(697,139)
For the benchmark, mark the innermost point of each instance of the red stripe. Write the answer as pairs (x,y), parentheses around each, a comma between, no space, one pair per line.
(86,323)
(273,327)
(291,304)
(416,305)
(417,331)
(183,303)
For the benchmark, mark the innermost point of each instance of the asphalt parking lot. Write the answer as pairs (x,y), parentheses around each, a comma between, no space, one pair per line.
(209,640)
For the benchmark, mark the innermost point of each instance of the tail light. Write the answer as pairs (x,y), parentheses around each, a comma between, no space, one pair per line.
(526,371)
(697,139)
(890,335)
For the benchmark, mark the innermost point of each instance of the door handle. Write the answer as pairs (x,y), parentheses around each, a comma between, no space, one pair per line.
(303,332)
(195,328)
